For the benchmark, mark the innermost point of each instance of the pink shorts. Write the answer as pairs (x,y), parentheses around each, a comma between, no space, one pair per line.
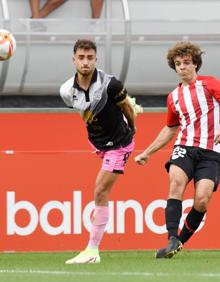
(115,160)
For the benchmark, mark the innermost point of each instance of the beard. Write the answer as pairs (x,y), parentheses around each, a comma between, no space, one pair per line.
(85,72)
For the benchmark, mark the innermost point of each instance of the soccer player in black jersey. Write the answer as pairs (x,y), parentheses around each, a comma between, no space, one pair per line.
(109,117)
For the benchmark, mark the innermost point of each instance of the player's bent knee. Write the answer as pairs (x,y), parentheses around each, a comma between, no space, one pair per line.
(201,204)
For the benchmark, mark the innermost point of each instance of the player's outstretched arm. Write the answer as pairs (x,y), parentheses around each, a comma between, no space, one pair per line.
(142,158)
(165,135)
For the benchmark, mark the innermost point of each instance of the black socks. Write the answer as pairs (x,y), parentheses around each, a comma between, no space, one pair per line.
(191,223)
(173,214)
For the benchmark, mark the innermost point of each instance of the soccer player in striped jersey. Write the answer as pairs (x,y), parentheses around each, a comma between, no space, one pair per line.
(193,112)
(109,118)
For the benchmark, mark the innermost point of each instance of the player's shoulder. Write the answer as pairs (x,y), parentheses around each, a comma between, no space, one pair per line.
(115,85)
(103,77)
(103,74)
(66,85)
(173,92)
(206,78)
(209,82)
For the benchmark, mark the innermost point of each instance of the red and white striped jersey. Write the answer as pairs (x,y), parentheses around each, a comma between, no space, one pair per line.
(196,109)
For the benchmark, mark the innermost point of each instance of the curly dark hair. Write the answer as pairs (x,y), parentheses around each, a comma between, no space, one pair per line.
(183,49)
(84,44)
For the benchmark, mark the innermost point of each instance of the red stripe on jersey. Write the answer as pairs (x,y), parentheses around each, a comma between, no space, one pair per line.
(212,84)
(172,116)
(198,113)
(210,120)
(185,116)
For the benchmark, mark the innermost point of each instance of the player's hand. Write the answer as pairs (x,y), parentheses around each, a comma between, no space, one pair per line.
(217,138)
(141,159)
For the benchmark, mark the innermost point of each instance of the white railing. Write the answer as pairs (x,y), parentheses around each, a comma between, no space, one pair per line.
(5,12)
(27,38)
(132,49)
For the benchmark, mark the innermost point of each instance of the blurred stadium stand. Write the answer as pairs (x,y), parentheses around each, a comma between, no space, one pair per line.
(132,38)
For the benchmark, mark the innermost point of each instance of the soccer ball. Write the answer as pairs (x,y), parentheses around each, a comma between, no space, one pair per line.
(7,44)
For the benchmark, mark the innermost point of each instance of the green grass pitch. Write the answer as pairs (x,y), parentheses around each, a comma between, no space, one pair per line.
(115,266)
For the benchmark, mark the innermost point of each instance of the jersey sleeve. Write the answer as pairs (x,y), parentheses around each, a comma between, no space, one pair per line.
(66,93)
(116,91)
(214,88)
(172,117)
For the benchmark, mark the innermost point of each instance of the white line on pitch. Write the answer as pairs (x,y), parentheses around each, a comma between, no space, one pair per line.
(77,273)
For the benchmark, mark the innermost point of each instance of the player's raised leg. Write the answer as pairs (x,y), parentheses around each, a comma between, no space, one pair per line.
(104,183)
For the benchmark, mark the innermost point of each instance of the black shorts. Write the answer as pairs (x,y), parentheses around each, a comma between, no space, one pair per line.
(197,163)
